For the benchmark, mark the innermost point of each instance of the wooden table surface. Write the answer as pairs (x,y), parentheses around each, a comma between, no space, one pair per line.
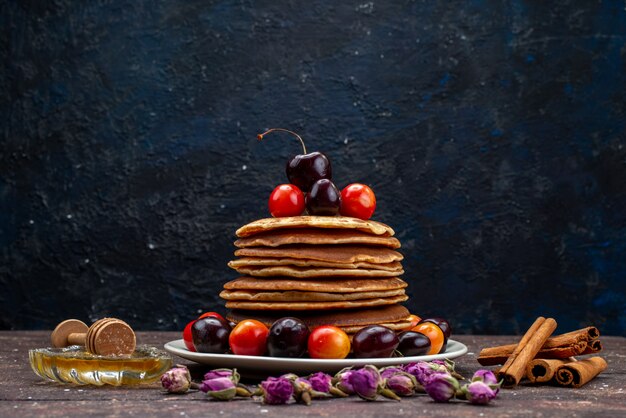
(23,394)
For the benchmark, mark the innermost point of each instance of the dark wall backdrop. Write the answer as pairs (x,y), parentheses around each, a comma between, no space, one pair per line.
(493,133)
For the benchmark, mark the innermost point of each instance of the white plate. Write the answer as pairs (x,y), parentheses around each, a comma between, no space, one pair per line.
(265,366)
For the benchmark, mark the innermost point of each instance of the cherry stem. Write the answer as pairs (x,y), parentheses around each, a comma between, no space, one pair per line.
(260,136)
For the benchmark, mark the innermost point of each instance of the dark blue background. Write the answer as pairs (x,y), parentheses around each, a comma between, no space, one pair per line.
(493,134)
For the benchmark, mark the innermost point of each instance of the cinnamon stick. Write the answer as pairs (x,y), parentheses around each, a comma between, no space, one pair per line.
(578,373)
(543,370)
(545,353)
(515,367)
(560,346)
(593,347)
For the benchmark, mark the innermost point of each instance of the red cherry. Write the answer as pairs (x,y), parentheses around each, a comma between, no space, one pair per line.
(187,338)
(328,342)
(358,201)
(211,314)
(286,200)
(249,338)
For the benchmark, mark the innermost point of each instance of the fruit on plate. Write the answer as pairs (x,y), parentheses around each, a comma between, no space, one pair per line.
(442,323)
(249,338)
(288,337)
(324,199)
(304,169)
(286,200)
(210,335)
(374,341)
(434,334)
(358,201)
(445,327)
(187,338)
(213,314)
(414,321)
(413,344)
(328,342)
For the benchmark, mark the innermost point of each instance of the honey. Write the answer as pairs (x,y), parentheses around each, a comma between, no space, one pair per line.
(75,365)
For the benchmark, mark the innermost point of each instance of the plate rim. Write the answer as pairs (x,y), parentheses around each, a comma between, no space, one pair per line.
(171,347)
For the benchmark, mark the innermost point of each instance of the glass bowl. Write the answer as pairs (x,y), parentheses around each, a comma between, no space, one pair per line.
(75,365)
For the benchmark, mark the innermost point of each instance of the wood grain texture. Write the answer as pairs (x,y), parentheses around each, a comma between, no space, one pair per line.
(491,132)
(22,394)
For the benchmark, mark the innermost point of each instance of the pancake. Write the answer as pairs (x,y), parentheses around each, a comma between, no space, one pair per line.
(396,326)
(298,296)
(345,318)
(342,254)
(316,237)
(259,261)
(325,222)
(310,272)
(307,306)
(326,286)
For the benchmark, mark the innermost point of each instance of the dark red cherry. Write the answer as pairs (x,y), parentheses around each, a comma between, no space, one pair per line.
(374,341)
(288,337)
(324,199)
(210,335)
(413,344)
(304,169)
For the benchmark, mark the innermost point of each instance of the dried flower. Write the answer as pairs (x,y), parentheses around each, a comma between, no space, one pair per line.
(302,390)
(290,376)
(449,367)
(176,379)
(320,382)
(402,384)
(423,370)
(367,383)
(223,384)
(323,387)
(220,388)
(479,393)
(485,376)
(441,387)
(277,390)
(387,372)
(343,381)
(214,374)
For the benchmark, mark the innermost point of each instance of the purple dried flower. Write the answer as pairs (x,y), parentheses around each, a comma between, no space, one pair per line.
(343,381)
(402,384)
(303,392)
(290,376)
(176,380)
(302,384)
(441,387)
(485,376)
(366,382)
(320,382)
(387,372)
(479,393)
(214,374)
(220,388)
(277,390)
(423,370)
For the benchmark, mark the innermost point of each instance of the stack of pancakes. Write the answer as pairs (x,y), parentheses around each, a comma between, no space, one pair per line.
(324,270)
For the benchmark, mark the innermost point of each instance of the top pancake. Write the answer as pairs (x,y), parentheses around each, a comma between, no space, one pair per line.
(315,237)
(342,254)
(325,222)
